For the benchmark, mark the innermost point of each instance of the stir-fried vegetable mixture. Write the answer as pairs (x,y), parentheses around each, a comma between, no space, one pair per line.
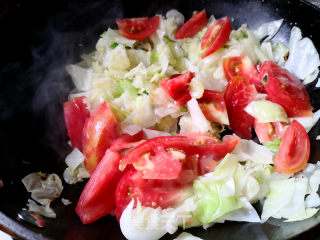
(147,123)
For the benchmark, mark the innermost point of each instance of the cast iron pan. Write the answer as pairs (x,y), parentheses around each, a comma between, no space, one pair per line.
(38,38)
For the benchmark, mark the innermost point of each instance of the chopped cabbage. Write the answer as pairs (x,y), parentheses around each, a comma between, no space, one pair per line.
(268,29)
(152,223)
(196,88)
(116,59)
(112,36)
(308,122)
(200,123)
(266,111)
(177,16)
(44,188)
(76,171)
(187,236)
(273,146)
(304,58)
(65,201)
(45,210)
(218,193)
(81,77)
(280,52)
(286,199)
(149,133)
(248,150)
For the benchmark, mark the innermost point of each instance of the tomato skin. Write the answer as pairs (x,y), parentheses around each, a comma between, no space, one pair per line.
(100,130)
(286,90)
(294,150)
(138,28)
(192,26)
(98,196)
(213,106)
(238,95)
(75,114)
(242,66)
(216,36)
(177,87)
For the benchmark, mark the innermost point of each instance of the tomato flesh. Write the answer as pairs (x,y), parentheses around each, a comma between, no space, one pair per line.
(216,36)
(267,132)
(286,90)
(192,26)
(163,157)
(294,150)
(238,95)
(75,114)
(98,196)
(177,87)
(138,28)
(100,130)
(242,66)
(150,193)
(213,106)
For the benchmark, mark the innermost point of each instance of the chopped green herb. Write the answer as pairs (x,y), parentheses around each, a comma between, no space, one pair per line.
(145,92)
(114,45)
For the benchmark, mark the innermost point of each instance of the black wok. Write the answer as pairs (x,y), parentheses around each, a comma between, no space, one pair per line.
(38,38)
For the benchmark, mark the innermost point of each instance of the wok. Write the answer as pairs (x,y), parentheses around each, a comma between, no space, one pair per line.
(38,38)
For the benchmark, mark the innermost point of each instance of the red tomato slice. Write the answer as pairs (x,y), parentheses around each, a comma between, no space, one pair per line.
(294,150)
(163,157)
(192,26)
(286,90)
(269,131)
(230,67)
(151,193)
(216,150)
(238,95)
(213,106)
(138,28)
(75,115)
(98,196)
(147,157)
(243,66)
(177,87)
(216,36)
(127,141)
(100,130)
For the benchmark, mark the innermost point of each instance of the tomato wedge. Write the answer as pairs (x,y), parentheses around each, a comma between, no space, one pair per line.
(138,28)
(100,130)
(286,90)
(230,67)
(150,193)
(177,87)
(216,36)
(213,106)
(75,114)
(98,196)
(242,66)
(163,157)
(294,150)
(269,131)
(192,26)
(238,95)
